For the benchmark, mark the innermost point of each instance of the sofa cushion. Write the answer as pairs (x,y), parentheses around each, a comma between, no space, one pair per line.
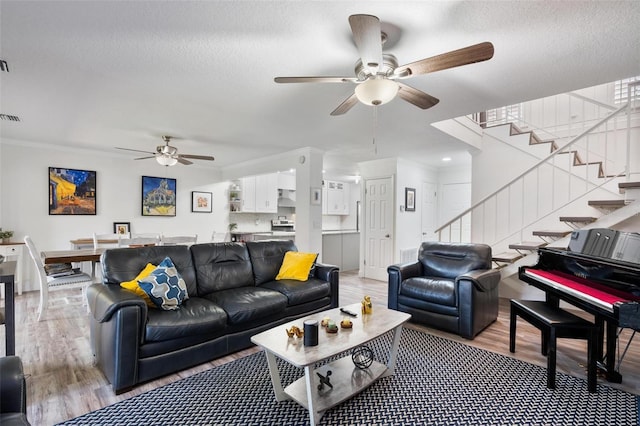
(296,266)
(221,266)
(123,264)
(246,304)
(196,316)
(266,258)
(165,287)
(431,289)
(134,286)
(299,292)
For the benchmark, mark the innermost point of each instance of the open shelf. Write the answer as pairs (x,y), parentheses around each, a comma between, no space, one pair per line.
(346,378)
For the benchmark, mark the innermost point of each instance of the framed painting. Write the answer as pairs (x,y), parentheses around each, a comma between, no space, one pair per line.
(158,196)
(410,199)
(122,228)
(72,191)
(201,202)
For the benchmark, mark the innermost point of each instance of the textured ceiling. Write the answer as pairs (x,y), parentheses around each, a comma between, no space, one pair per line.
(97,74)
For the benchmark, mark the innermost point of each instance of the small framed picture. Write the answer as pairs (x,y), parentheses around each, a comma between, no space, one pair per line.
(201,202)
(316,196)
(410,199)
(122,228)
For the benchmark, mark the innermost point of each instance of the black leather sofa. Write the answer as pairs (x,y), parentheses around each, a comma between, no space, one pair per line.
(13,392)
(451,287)
(232,296)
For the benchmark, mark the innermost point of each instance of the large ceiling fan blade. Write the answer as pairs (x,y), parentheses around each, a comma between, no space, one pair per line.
(136,150)
(183,161)
(368,38)
(467,55)
(315,79)
(416,97)
(197,157)
(346,105)
(145,158)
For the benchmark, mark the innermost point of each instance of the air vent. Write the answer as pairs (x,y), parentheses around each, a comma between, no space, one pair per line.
(4,66)
(9,117)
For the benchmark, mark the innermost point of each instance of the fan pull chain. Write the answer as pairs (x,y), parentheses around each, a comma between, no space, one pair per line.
(375,128)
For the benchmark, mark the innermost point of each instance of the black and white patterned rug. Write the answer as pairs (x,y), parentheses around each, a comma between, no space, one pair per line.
(437,382)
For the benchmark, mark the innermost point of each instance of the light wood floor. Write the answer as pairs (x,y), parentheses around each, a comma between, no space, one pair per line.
(63,383)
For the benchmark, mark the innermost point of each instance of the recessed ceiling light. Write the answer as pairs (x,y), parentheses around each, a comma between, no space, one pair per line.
(446,159)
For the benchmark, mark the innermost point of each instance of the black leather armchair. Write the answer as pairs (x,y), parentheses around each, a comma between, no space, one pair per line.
(13,392)
(451,287)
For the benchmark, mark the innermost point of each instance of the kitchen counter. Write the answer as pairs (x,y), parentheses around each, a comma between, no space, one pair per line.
(341,248)
(339,231)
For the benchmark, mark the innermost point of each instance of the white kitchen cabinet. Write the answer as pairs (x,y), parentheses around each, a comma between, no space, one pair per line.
(266,190)
(337,198)
(255,194)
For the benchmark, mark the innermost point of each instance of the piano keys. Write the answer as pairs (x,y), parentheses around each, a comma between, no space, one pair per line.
(598,276)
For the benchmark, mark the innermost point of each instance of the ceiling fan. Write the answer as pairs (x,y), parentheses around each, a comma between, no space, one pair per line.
(167,155)
(378,74)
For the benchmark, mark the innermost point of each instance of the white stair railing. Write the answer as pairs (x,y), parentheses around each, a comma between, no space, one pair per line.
(492,217)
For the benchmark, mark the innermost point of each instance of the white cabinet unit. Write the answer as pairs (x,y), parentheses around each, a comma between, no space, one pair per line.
(255,194)
(266,190)
(336,197)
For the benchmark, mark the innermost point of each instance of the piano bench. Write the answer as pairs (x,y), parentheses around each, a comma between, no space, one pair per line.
(555,323)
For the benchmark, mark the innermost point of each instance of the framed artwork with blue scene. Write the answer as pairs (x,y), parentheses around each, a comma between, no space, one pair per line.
(158,196)
(72,191)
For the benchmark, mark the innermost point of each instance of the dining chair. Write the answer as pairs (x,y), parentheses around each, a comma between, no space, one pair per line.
(220,237)
(50,282)
(140,240)
(178,240)
(107,240)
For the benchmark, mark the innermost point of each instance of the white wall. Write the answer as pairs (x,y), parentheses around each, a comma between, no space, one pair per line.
(409,223)
(24,196)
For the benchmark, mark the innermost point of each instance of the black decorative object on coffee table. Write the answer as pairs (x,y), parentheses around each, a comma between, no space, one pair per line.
(362,357)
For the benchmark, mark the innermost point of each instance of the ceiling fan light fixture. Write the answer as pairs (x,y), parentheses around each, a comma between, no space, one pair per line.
(376,91)
(166,161)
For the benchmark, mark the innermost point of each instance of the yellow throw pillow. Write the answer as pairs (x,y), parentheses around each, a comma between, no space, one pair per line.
(135,287)
(296,266)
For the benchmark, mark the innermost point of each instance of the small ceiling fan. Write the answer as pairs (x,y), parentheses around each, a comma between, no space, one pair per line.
(167,155)
(378,74)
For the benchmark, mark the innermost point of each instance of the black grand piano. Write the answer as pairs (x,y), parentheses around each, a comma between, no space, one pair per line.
(599,272)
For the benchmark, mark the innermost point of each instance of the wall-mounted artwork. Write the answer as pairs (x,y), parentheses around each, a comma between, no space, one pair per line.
(122,228)
(72,191)
(410,199)
(158,196)
(201,202)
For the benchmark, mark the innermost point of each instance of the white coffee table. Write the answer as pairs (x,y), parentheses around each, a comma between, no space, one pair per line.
(346,378)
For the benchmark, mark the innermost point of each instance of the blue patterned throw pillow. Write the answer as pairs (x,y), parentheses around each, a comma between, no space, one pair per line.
(165,287)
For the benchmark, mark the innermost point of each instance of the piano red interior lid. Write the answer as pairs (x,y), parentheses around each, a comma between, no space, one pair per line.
(593,289)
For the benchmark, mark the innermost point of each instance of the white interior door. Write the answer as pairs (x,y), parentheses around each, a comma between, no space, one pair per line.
(456,198)
(429,211)
(378,228)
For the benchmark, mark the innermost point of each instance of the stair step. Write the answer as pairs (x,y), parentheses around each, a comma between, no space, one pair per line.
(608,204)
(554,234)
(628,185)
(528,245)
(578,219)
(507,257)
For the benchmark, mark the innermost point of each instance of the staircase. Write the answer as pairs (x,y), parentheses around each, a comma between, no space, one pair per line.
(572,174)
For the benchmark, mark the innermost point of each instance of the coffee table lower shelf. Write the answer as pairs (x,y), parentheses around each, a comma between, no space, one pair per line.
(347,381)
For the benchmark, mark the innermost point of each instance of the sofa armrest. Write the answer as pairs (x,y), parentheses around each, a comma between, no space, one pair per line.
(482,279)
(329,273)
(13,390)
(105,299)
(398,273)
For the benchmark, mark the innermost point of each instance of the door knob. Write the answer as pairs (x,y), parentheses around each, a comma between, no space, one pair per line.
(387,236)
